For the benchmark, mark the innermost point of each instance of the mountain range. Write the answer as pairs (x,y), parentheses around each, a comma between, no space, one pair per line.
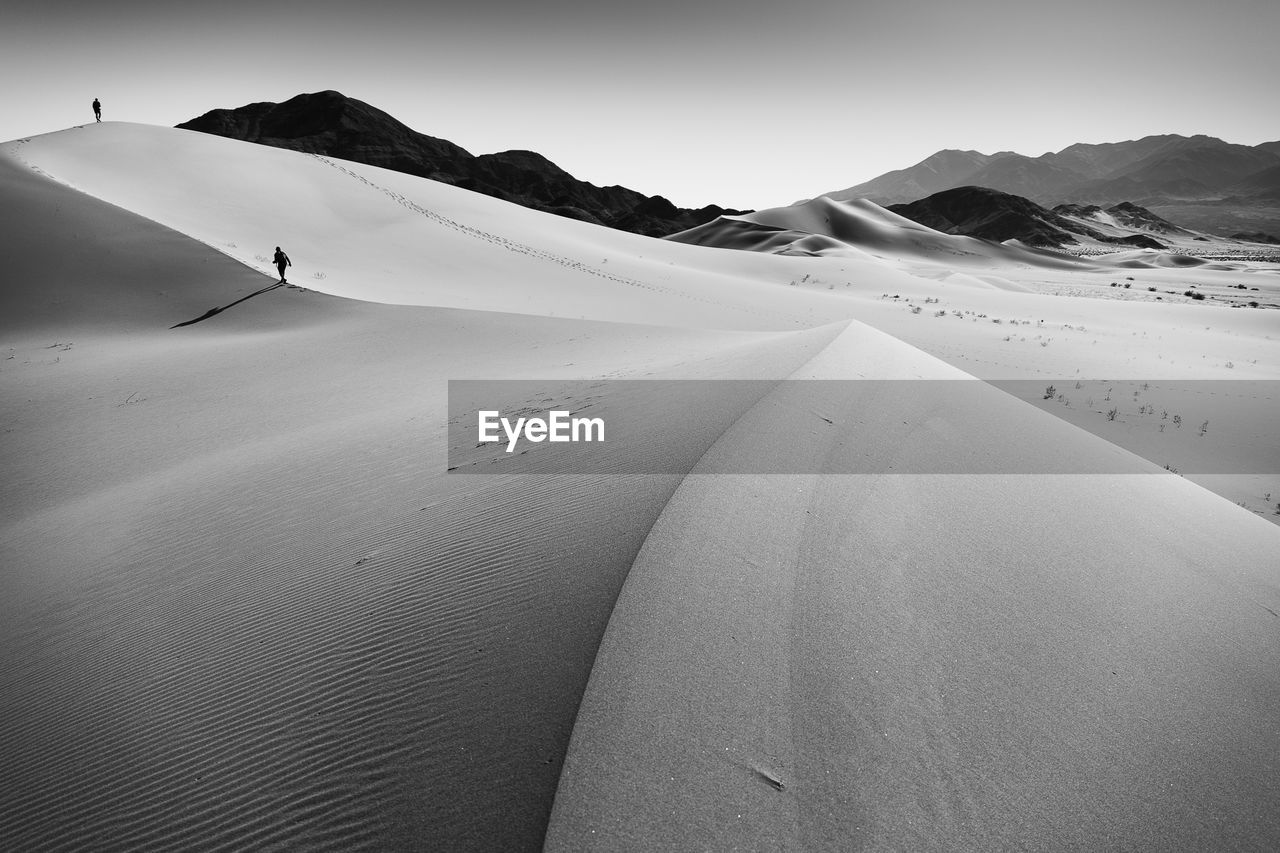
(1198,181)
(333,124)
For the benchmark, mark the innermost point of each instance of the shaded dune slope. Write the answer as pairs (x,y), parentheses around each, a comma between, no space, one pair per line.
(367,233)
(76,264)
(242,607)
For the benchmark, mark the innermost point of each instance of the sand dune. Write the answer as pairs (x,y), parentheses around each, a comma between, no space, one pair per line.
(826,226)
(880,669)
(371,234)
(1149,258)
(246,607)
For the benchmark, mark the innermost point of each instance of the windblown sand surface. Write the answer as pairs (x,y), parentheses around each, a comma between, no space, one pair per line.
(244,605)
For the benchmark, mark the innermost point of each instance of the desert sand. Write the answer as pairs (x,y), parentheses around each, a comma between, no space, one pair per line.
(246,605)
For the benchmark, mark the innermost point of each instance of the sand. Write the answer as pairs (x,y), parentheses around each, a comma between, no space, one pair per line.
(246,606)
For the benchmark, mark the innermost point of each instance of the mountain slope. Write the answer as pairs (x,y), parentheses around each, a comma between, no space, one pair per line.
(1125,215)
(1030,177)
(1153,171)
(940,171)
(333,124)
(1098,160)
(992,215)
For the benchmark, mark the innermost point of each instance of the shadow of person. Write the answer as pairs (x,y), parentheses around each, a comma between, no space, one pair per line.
(212,311)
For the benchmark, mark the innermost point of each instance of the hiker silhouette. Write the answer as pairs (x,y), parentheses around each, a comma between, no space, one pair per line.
(97,110)
(282,261)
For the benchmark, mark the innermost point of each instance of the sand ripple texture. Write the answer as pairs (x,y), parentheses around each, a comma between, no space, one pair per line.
(309,696)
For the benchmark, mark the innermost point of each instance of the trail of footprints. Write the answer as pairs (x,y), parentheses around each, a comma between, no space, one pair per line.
(517,247)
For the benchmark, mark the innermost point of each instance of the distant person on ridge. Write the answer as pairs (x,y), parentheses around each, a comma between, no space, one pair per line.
(97,110)
(282,261)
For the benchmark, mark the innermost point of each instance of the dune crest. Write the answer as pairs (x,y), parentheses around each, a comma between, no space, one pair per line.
(876,669)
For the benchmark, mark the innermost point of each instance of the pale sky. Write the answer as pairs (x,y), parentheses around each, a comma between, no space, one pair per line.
(744,104)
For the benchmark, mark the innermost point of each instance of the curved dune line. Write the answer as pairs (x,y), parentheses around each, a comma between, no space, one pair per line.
(932,662)
(231,677)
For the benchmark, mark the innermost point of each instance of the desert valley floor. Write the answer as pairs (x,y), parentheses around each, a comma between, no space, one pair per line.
(247,605)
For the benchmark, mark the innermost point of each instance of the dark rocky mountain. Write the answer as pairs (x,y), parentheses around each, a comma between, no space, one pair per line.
(994,215)
(989,214)
(1125,214)
(1168,171)
(332,124)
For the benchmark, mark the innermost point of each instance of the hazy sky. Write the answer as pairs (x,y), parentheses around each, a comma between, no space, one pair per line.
(742,103)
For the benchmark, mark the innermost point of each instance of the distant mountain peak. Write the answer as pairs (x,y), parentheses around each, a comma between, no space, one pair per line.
(332,123)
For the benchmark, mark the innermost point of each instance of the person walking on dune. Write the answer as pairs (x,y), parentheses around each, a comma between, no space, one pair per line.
(282,261)
(97,110)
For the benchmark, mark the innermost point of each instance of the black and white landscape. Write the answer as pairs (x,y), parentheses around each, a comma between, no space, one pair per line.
(1009,580)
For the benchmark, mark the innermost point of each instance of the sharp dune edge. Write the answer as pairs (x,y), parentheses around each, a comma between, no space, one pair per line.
(245,608)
